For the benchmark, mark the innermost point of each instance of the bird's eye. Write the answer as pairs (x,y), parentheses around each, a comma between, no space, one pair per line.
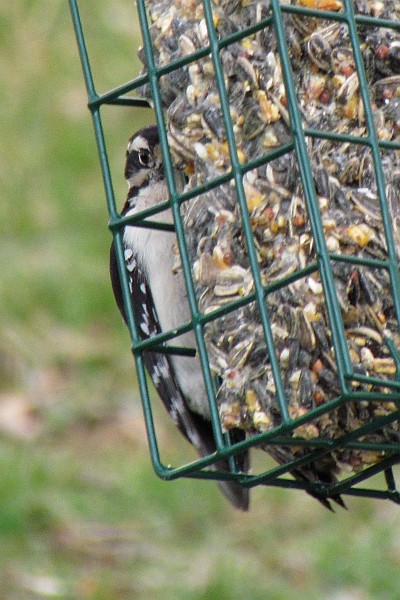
(144,158)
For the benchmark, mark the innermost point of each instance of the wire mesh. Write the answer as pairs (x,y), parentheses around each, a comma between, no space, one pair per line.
(347,375)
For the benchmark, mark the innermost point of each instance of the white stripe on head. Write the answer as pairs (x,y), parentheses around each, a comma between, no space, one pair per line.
(138,178)
(138,143)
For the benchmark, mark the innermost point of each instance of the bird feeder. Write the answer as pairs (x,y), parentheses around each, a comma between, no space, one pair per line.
(285,117)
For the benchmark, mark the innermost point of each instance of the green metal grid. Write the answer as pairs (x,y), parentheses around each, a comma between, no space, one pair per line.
(281,434)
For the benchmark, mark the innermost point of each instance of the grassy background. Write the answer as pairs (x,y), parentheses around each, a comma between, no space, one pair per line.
(82,515)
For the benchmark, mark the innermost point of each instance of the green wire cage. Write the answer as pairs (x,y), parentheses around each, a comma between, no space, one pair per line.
(350,379)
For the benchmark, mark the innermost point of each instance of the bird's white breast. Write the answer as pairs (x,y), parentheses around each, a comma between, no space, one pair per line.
(155,252)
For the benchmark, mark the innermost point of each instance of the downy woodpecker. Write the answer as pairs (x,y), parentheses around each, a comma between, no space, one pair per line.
(160,304)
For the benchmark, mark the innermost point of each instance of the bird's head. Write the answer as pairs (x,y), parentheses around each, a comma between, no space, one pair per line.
(143,158)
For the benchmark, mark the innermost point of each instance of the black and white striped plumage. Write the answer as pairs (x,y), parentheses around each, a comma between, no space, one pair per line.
(159,303)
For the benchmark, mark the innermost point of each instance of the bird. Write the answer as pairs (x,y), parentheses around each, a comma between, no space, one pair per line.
(159,304)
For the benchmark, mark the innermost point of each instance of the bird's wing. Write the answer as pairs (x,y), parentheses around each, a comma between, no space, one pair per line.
(194,427)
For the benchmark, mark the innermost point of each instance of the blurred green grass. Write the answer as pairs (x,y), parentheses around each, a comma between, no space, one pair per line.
(82,515)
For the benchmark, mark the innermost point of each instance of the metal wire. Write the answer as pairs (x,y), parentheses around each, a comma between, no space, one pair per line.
(324,259)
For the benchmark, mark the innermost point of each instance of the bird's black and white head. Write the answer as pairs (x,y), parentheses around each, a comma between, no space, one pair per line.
(143,164)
